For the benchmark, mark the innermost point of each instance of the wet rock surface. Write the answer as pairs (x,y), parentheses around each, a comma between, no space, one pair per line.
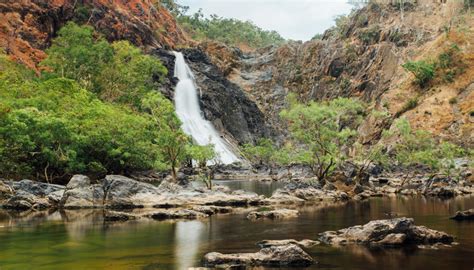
(464,215)
(389,232)
(273,214)
(306,243)
(287,255)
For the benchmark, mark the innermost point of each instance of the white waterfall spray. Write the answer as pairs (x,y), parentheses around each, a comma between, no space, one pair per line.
(189,112)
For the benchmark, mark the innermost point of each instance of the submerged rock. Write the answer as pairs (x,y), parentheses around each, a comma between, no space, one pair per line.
(306,243)
(288,255)
(176,214)
(273,214)
(464,215)
(388,232)
(112,216)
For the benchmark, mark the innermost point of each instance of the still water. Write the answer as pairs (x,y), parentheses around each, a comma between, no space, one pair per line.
(81,240)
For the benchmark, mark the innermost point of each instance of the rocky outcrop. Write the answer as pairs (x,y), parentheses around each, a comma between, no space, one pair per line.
(298,193)
(389,232)
(273,214)
(464,215)
(28,26)
(288,255)
(27,194)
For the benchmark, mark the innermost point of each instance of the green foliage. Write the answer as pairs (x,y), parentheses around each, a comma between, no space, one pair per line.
(56,125)
(171,141)
(342,23)
(370,35)
(424,72)
(261,153)
(201,154)
(117,72)
(447,66)
(129,75)
(229,31)
(317,37)
(79,55)
(420,148)
(55,128)
(320,130)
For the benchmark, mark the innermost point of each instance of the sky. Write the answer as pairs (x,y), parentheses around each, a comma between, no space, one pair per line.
(293,19)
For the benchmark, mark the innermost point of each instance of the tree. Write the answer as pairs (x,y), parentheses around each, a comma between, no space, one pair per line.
(260,153)
(79,54)
(285,156)
(129,75)
(171,140)
(418,147)
(320,129)
(202,155)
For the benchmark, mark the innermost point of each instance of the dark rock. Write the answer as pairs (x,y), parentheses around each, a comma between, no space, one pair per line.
(29,194)
(358,189)
(289,255)
(464,215)
(112,216)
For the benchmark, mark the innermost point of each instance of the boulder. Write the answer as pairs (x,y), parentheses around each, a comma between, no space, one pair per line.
(78,181)
(464,215)
(288,255)
(273,214)
(121,192)
(388,232)
(83,197)
(29,194)
(306,243)
(5,191)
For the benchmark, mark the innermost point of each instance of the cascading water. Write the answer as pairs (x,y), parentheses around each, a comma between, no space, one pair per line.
(189,112)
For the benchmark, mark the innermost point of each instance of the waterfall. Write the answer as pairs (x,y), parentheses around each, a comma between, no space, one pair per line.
(189,112)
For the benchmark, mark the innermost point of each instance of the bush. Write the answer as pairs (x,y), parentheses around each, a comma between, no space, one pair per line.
(53,129)
(424,72)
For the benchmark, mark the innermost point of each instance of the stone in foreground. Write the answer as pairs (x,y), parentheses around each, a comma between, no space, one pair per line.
(464,215)
(288,255)
(389,232)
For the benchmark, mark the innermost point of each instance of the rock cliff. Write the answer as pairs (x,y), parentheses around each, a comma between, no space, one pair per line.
(362,58)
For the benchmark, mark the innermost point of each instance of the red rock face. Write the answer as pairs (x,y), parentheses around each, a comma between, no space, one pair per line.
(27,26)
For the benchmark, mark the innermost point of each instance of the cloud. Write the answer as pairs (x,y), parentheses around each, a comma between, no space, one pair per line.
(293,19)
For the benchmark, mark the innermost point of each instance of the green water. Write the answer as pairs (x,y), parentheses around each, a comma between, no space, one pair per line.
(82,240)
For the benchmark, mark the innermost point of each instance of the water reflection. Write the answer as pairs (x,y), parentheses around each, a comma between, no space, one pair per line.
(188,237)
(81,239)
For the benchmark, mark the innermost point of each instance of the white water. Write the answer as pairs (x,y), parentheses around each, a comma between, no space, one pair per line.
(189,112)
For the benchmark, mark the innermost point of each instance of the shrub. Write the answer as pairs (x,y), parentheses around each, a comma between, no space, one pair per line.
(424,72)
